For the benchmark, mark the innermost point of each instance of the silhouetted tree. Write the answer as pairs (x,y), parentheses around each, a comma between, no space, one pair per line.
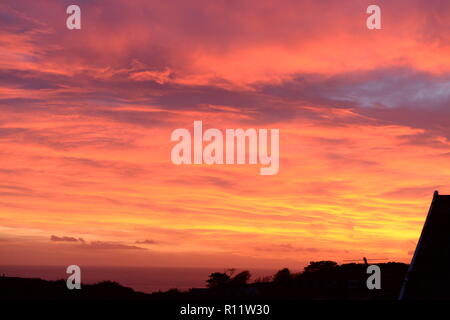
(217,279)
(240,279)
(320,266)
(283,277)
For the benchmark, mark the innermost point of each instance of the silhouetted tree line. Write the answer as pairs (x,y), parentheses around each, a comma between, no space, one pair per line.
(318,280)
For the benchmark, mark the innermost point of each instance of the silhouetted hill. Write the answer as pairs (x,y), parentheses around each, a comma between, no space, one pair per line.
(24,288)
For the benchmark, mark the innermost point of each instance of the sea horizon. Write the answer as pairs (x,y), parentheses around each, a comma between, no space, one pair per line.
(142,279)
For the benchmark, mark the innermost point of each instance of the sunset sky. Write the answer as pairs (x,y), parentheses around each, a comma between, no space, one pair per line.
(86,117)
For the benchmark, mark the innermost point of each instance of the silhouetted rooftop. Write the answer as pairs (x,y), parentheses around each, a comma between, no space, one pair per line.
(428,276)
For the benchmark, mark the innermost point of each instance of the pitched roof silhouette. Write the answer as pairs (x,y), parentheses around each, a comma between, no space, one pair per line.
(428,276)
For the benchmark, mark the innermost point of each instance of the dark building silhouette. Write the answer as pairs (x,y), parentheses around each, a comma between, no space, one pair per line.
(428,276)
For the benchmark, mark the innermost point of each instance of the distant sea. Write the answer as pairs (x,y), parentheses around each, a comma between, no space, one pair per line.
(143,279)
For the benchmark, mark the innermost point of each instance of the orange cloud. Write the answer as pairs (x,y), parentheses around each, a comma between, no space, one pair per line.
(86,121)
